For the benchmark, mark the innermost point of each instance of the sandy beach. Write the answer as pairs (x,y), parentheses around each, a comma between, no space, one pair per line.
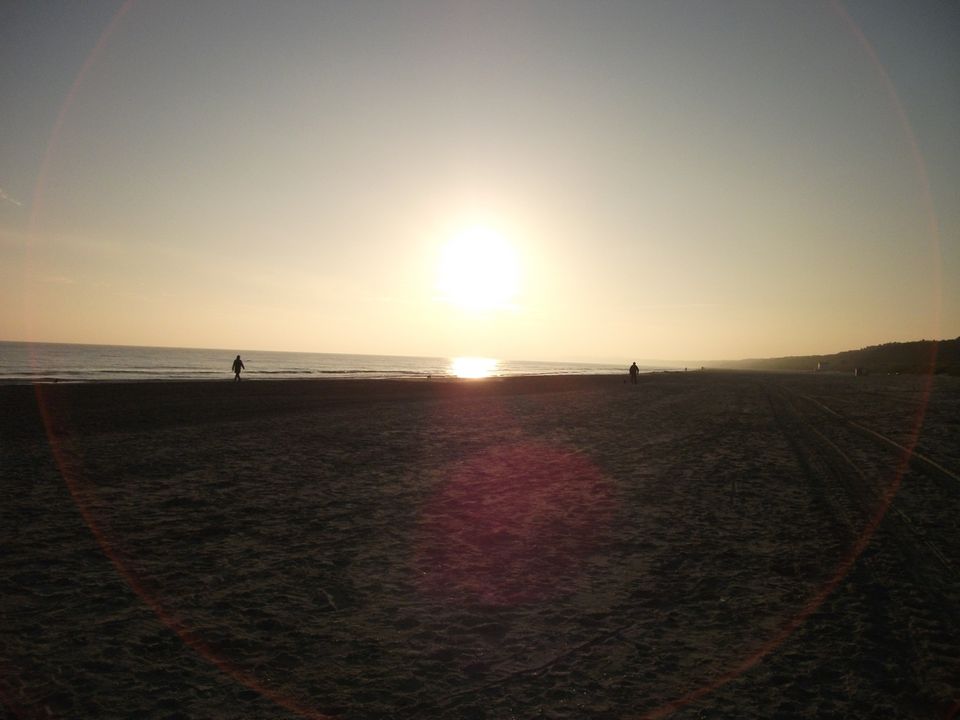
(698,545)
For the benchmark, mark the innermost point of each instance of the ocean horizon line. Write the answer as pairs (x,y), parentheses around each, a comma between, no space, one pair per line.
(583,360)
(45,362)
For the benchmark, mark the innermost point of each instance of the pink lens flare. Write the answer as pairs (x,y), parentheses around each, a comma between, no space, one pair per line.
(513,524)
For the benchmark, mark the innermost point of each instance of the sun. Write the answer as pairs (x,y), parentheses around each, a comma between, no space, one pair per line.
(478,270)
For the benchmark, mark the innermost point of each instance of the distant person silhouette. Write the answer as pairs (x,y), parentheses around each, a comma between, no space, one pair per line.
(237,367)
(634,371)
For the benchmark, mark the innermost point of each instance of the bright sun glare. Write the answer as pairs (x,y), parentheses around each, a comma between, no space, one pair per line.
(478,270)
(473,367)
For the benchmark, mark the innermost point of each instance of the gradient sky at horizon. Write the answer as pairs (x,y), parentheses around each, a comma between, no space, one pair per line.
(678,180)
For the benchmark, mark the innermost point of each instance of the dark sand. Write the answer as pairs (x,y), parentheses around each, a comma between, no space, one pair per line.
(702,545)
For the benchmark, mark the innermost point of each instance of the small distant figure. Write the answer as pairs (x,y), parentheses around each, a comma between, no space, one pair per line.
(237,367)
(634,371)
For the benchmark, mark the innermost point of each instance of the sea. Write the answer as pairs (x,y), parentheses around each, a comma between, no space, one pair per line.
(22,362)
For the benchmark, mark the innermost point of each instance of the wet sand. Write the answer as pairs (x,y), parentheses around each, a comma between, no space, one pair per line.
(700,545)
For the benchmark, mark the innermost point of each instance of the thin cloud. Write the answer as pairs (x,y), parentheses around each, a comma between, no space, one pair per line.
(4,196)
(674,306)
(55,280)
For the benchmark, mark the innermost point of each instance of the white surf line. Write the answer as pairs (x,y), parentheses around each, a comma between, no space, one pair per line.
(912,454)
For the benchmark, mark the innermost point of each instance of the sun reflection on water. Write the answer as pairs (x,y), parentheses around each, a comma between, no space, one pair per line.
(473,367)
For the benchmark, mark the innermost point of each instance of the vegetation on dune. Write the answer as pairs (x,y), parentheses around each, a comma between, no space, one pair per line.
(921,356)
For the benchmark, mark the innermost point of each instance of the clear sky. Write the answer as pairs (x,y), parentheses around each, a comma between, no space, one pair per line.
(526,180)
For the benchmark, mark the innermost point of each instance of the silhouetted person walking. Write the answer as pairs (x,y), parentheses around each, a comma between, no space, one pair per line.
(634,371)
(237,367)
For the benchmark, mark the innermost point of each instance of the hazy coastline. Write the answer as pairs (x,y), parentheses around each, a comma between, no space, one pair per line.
(919,357)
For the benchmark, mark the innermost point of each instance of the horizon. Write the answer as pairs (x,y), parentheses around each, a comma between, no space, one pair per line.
(704,182)
(644,362)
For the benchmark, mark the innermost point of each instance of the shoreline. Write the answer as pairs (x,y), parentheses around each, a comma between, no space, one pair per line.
(347,376)
(106,405)
(331,376)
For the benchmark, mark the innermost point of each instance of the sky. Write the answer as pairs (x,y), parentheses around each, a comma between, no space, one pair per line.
(524,180)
